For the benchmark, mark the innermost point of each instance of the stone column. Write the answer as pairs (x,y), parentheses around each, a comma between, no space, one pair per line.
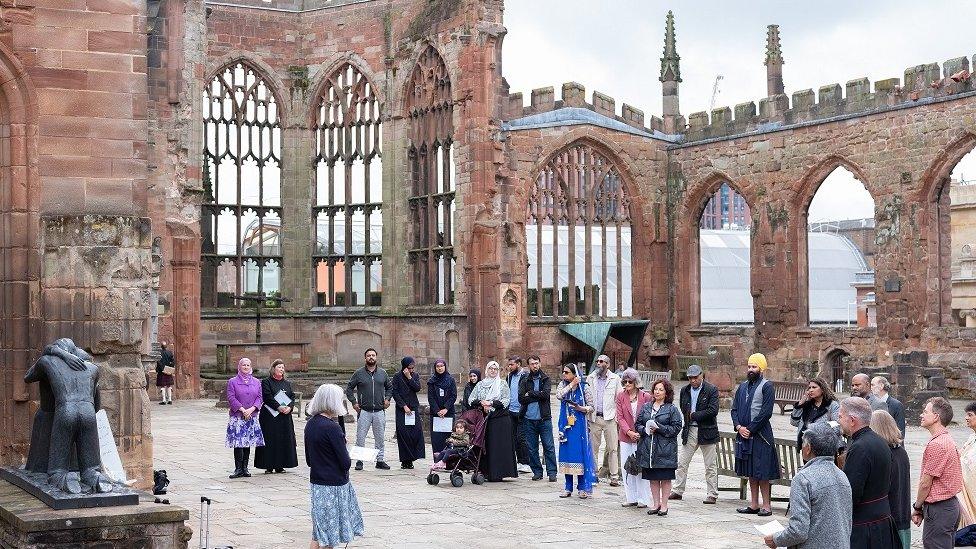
(186,314)
(96,289)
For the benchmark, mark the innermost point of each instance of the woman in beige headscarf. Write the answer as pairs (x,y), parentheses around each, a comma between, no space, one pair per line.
(967,454)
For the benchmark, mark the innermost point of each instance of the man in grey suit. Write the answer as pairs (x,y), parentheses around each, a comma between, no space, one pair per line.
(881,400)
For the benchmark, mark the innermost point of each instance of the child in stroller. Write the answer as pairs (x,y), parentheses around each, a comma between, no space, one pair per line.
(462,453)
(457,445)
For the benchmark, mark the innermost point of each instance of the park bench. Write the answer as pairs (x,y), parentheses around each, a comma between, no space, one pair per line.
(648,377)
(789,462)
(787,393)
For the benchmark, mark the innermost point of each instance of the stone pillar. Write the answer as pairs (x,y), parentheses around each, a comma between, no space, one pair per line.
(186,314)
(774,62)
(96,279)
(670,78)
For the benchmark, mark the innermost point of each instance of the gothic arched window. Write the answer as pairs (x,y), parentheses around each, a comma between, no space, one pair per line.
(430,153)
(241,217)
(578,238)
(347,214)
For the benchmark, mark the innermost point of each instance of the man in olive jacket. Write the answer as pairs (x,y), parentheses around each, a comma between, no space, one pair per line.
(699,406)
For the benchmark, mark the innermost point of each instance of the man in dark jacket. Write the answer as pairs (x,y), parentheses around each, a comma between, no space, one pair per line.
(533,394)
(698,402)
(370,390)
(867,468)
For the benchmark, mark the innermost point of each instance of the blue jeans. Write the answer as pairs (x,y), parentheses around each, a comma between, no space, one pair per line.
(536,429)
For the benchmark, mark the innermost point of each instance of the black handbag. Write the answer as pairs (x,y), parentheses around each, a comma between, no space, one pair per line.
(631,466)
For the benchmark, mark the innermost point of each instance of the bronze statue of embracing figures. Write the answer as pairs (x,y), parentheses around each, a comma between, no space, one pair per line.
(64,437)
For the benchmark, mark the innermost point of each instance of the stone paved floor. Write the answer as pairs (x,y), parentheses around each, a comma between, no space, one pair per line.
(402,510)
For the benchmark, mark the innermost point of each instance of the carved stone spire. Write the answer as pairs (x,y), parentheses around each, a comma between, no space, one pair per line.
(669,63)
(774,62)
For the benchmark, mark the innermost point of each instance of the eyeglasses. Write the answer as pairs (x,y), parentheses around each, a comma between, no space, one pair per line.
(628,382)
(600,360)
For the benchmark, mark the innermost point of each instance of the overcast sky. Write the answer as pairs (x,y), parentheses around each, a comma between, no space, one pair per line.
(614,46)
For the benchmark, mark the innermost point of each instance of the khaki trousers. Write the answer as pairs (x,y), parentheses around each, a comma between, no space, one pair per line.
(709,452)
(607,430)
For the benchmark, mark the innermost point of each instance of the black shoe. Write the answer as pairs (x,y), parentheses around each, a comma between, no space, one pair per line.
(537,477)
(552,479)
(747,511)
(382,465)
(404,465)
(245,473)
(662,513)
(162,403)
(359,466)
(279,471)
(764,513)
(653,511)
(268,471)
(237,474)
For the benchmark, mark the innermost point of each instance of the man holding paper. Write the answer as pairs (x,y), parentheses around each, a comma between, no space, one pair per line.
(820,497)
(370,390)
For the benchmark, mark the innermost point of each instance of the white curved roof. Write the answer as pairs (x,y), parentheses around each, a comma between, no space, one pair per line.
(725,295)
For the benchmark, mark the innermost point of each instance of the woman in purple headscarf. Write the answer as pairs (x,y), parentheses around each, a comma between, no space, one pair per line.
(243,429)
(441,395)
(409,432)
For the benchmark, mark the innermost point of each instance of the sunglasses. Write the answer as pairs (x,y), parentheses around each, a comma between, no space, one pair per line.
(601,360)
(628,382)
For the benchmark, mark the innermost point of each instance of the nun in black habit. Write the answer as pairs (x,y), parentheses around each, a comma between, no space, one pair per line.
(410,438)
(278,452)
(441,395)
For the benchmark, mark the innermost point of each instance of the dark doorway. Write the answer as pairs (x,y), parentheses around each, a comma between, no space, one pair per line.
(837,365)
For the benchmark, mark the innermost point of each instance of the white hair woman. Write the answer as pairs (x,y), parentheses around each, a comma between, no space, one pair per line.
(336,517)
(491,394)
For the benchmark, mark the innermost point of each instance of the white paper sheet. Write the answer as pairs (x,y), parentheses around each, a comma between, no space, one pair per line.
(443,424)
(410,418)
(282,399)
(111,462)
(358,453)
(272,411)
(770,528)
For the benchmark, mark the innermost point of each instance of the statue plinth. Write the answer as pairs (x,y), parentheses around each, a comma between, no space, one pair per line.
(36,485)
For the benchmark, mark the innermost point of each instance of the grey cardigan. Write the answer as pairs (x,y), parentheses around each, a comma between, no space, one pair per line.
(820,508)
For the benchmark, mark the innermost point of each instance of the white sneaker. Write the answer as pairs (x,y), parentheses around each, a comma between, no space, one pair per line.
(522,468)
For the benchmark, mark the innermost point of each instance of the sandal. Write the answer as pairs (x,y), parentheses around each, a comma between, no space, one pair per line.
(653,511)
(566,494)
(583,495)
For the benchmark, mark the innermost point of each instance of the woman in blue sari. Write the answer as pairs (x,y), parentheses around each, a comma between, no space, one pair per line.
(575,456)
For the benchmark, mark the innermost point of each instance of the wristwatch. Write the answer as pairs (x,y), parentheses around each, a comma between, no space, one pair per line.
(917,506)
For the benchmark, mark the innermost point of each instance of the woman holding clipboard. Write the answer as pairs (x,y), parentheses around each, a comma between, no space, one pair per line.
(278,452)
(441,395)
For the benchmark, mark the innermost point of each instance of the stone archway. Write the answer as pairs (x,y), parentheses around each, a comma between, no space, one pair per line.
(834,365)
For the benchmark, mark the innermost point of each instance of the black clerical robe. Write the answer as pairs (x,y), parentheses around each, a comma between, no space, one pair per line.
(868,468)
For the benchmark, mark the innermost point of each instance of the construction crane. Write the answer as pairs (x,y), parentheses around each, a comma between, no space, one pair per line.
(715,91)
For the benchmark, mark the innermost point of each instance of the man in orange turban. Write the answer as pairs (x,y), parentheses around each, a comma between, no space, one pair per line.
(755,454)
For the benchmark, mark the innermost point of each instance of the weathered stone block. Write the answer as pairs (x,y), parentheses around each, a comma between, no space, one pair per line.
(574,94)
(697,121)
(721,117)
(829,96)
(543,99)
(745,112)
(804,99)
(858,89)
(604,104)
(632,115)
(954,65)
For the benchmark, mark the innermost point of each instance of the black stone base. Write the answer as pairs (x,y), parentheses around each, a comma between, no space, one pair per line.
(36,486)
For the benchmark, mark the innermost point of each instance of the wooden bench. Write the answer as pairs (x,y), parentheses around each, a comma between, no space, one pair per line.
(787,393)
(789,462)
(648,377)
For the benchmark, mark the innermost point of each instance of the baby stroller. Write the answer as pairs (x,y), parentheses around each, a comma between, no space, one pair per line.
(467,462)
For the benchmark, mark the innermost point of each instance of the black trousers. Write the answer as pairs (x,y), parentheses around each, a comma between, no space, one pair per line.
(518,440)
(241,457)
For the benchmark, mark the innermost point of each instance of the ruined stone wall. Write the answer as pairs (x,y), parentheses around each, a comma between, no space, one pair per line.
(296,48)
(74,135)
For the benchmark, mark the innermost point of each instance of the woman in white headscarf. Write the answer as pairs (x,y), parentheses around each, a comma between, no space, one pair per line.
(491,394)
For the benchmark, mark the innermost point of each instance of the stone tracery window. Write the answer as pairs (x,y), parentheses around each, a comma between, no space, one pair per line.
(347,214)
(241,218)
(430,153)
(578,238)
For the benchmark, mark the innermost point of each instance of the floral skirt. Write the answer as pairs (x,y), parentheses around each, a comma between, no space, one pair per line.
(244,433)
(336,518)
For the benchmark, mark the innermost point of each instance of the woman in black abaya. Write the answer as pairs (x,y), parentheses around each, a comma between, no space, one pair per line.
(410,438)
(441,395)
(492,395)
(278,452)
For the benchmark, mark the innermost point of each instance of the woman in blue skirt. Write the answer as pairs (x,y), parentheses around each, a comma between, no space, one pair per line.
(336,517)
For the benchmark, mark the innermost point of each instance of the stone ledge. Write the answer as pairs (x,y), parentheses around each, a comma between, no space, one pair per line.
(29,514)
